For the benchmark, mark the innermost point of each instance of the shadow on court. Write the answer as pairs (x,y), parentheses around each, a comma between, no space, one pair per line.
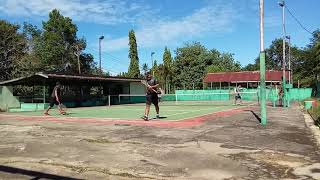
(255,115)
(34,174)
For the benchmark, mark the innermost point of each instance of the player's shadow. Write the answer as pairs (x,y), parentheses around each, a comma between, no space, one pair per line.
(69,113)
(34,174)
(161,117)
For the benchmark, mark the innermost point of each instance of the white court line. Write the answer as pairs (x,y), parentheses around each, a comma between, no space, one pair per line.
(53,116)
(214,112)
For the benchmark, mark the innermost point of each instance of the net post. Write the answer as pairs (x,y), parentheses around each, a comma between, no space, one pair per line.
(119,99)
(176,95)
(109,101)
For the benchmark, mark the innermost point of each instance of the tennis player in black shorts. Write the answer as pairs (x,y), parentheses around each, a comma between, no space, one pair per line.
(55,99)
(238,96)
(151,96)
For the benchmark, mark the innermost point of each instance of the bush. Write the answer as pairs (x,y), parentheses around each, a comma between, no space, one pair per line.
(315,113)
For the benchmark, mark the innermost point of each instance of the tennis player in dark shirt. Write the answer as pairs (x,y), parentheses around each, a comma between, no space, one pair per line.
(151,96)
(55,99)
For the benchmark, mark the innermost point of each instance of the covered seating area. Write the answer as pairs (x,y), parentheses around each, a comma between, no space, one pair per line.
(33,91)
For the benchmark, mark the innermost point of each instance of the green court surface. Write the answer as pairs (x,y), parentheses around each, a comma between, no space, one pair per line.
(134,112)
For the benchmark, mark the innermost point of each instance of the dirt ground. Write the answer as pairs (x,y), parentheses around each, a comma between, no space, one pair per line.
(229,147)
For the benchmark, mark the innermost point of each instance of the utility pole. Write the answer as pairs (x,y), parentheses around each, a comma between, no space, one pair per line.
(289,59)
(263,107)
(152,53)
(281,4)
(284,100)
(100,39)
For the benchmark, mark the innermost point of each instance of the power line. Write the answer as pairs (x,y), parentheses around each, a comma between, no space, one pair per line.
(113,59)
(297,20)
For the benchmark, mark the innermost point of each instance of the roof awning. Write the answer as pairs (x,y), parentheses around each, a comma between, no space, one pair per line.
(244,76)
(51,78)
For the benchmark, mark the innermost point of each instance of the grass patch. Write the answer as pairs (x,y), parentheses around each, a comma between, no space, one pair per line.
(315,113)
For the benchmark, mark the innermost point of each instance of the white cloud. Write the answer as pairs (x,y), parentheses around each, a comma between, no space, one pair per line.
(101,12)
(151,29)
(163,32)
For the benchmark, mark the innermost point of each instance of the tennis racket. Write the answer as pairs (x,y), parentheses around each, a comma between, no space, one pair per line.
(144,82)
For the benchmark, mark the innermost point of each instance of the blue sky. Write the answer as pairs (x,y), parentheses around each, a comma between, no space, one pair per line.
(226,25)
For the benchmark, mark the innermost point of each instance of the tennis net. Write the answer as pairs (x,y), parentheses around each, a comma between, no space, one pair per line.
(219,99)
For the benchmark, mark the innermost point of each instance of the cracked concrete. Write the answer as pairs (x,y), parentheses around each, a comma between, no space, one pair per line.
(234,147)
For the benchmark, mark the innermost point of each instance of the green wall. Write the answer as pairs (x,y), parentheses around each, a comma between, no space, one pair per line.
(137,88)
(7,100)
(296,94)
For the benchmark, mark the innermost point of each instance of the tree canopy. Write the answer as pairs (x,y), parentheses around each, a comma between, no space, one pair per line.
(133,70)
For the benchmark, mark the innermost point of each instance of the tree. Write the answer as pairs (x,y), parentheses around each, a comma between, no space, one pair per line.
(222,62)
(189,67)
(307,69)
(29,62)
(87,63)
(12,47)
(32,34)
(167,70)
(251,67)
(193,61)
(133,70)
(58,47)
(145,68)
(57,41)
(155,66)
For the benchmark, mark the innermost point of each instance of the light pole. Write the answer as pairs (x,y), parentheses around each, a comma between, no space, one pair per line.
(263,107)
(100,39)
(281,4)
(152,53)
(289,59)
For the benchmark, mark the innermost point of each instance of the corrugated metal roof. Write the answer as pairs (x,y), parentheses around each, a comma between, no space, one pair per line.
(244,76)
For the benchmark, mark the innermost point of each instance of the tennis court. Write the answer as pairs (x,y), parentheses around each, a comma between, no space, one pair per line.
(169,111)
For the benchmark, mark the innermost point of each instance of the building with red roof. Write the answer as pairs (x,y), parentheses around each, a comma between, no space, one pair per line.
(252,77)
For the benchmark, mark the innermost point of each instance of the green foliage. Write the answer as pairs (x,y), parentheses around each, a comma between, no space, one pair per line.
(87,63)
(251,67)
(189,66)
(193,61)
(13,46)
(57,41)
(167,70)
(307,66)
(221,62)
(145,68)
(133,70)
(31,50)
(315,113)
